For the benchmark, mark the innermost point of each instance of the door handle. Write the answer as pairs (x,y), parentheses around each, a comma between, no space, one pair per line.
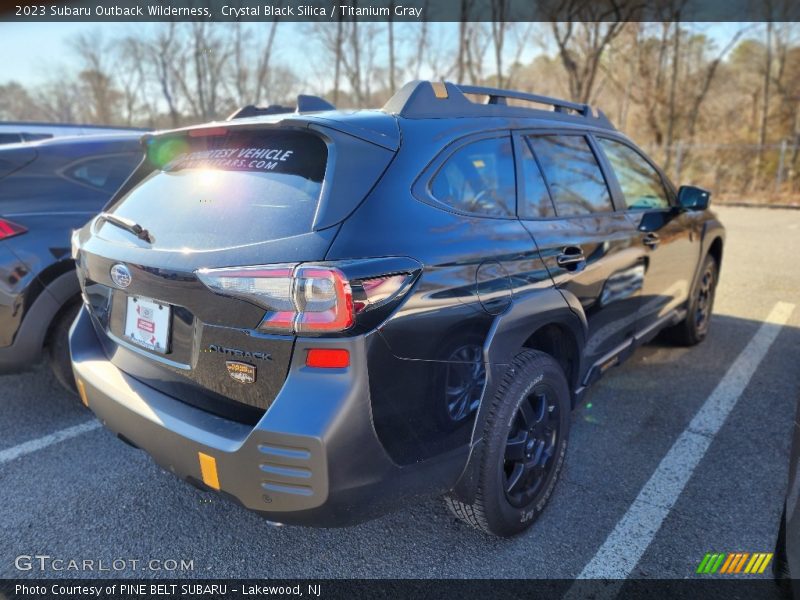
(651,239)
(571,258)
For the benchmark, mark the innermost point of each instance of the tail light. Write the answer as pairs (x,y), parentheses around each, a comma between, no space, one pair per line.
(304,299)
(9,229)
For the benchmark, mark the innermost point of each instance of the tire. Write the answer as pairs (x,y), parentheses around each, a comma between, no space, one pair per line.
(694,328)
(58,347)
(525,442)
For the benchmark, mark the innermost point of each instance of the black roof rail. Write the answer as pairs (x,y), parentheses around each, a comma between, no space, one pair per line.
(305,103)
(439,99)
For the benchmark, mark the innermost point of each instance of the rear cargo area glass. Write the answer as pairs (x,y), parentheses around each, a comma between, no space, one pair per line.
(225,188)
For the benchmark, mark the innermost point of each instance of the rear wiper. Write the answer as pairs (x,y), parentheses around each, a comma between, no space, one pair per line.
(128,225)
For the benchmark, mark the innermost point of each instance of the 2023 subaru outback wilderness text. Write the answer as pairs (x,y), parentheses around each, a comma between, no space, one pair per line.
(325,314)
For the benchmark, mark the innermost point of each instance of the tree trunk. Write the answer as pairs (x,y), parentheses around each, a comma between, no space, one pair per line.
(762,130)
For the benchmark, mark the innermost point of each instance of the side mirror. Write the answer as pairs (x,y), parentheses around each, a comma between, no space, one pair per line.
(693,198)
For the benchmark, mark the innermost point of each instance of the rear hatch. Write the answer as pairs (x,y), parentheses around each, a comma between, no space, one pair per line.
(208,199)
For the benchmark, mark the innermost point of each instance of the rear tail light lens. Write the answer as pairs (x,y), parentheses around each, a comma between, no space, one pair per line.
(297,299)
(323,300)
(8,229)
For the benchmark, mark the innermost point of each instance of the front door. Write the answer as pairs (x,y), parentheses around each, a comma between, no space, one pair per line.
(668,237)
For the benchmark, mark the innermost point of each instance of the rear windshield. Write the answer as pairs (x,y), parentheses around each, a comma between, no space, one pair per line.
(226,189)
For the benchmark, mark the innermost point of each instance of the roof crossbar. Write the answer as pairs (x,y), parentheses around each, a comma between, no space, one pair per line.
(498,96)
(425,99)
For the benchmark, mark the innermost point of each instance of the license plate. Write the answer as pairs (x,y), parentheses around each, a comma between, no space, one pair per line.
(147,323)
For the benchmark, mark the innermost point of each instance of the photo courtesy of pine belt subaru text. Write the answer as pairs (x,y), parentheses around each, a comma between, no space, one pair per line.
(324,314)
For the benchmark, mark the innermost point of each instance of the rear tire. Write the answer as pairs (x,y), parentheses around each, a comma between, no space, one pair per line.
(58,347)
(694,328)
(525,441)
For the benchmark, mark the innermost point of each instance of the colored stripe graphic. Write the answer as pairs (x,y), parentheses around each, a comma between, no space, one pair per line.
(727,566)
(765,563)
(701,568)
(733,562)
(749,568)
(711,563)
(740,564)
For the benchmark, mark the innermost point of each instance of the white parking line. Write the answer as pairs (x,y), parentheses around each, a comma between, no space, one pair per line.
(15,452)
(626,544)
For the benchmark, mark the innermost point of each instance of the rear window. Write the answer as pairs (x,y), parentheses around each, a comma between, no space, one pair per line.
(229,189)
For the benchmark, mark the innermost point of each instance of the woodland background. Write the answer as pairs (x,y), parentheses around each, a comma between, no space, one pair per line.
(721,111)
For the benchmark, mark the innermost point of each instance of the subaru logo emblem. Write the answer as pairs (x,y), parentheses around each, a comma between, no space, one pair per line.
(121,275)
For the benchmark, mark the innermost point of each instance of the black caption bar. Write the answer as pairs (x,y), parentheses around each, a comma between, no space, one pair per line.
(400,10)
(651,589)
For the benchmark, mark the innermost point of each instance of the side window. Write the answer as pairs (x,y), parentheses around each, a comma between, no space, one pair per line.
(535,201)
(103,172)
(575,179)
(640,182)
(479,179)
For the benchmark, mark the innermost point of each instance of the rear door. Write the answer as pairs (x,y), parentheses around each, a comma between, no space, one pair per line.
(669,238)
(589,248)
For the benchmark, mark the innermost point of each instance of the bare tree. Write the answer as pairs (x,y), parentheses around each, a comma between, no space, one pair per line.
(499,27)
(98,92)
(762,129)
(583,38)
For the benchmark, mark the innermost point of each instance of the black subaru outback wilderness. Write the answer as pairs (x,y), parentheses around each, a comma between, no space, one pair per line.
(323,314)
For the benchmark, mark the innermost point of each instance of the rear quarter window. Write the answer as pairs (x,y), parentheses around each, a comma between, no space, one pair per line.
(478,178)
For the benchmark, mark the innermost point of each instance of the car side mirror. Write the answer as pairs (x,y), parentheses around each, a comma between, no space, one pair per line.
(693,198)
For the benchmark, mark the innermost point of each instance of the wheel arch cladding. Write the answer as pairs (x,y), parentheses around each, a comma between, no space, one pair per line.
(540,320)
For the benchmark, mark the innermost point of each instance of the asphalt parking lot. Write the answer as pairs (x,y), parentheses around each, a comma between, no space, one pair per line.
(92,497)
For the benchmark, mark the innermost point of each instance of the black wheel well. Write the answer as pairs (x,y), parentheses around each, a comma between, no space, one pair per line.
(559,342)
(716,251)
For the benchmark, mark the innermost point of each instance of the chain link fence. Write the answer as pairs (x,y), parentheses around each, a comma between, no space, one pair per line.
(768,174)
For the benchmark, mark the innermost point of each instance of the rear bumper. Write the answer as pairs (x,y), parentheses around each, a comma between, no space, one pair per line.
(313,459)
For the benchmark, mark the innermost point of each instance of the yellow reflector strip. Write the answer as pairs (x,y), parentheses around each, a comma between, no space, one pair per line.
(765,563)
(208,469)
(753,560)
(757,564)
(439,89)
(82,392)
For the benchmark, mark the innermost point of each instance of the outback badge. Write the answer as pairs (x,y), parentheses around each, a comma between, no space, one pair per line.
(241,372)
